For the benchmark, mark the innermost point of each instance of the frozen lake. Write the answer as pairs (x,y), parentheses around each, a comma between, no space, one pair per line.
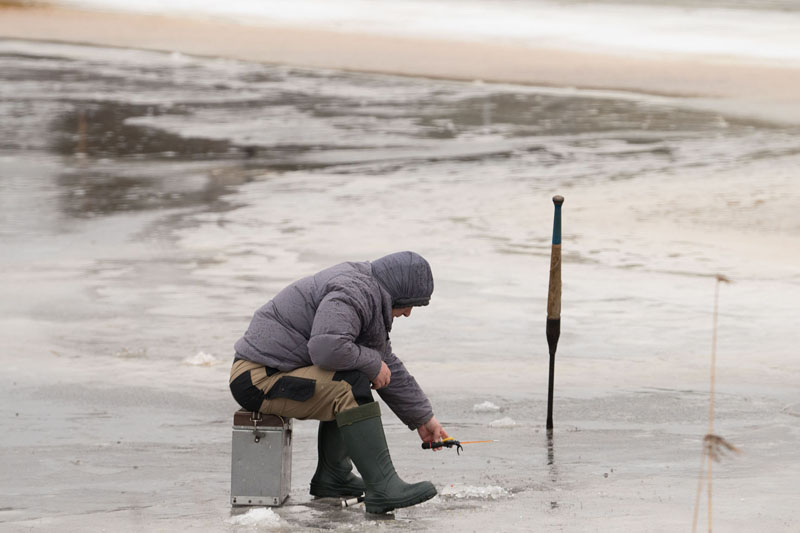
(149,203)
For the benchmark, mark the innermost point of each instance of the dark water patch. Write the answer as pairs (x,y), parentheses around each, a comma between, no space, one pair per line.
(261,77)
(15,56)
(98,129)
(90,192)
(290,150)
(376,169)
(771,154)
(33,72)
(63,75)
(470,158)
(641,140)
(659,150)
(622,176)
(544,114)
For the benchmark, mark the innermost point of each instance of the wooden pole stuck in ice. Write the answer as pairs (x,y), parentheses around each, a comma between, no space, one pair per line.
(553,329)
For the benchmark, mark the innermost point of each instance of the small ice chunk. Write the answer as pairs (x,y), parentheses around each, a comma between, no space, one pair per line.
(260,517)
(201,359)
(491,492)
(132,354)
(505,422)
(793,409)
(485,407)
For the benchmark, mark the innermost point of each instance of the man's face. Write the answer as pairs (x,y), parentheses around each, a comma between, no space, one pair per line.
(401,311)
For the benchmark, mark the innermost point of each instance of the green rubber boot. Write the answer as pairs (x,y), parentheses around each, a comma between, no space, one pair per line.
(362,431)
(334,476)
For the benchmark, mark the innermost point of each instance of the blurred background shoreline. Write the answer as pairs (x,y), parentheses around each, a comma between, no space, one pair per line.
(739,83)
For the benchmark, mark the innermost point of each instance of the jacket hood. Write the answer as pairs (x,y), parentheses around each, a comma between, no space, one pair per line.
(406,276)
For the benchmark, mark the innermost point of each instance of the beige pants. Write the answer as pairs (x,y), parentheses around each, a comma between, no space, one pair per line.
(307,392)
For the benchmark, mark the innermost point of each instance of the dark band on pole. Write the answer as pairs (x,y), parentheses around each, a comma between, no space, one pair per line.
(553,330)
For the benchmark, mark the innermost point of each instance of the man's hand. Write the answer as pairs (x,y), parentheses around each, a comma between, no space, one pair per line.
(383,378)
(432,431)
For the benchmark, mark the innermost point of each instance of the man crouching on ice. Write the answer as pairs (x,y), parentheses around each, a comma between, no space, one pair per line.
(313,351)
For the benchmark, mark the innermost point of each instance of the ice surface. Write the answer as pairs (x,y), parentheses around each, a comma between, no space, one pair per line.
(201,359)
(491,492)
(485,407)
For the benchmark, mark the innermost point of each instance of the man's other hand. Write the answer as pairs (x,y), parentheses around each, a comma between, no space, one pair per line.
(383,378)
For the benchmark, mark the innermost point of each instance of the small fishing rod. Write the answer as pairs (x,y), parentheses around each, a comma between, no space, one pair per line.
(451,443)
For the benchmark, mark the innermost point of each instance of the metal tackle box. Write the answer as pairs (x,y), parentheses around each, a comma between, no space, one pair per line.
(261,459)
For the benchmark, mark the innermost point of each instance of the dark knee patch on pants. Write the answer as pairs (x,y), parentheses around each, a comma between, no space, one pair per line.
(293,388)
(245,393)
(359,382)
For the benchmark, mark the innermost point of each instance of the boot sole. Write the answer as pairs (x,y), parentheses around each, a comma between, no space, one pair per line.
(385,507)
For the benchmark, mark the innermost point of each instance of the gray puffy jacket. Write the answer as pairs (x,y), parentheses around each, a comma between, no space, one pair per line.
(339,319)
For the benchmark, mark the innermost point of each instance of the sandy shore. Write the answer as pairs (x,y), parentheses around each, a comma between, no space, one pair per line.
(759,91)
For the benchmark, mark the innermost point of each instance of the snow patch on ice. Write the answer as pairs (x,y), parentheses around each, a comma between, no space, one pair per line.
(261,517)
(491,492)
(201,359)
(505,422)
(485,407)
